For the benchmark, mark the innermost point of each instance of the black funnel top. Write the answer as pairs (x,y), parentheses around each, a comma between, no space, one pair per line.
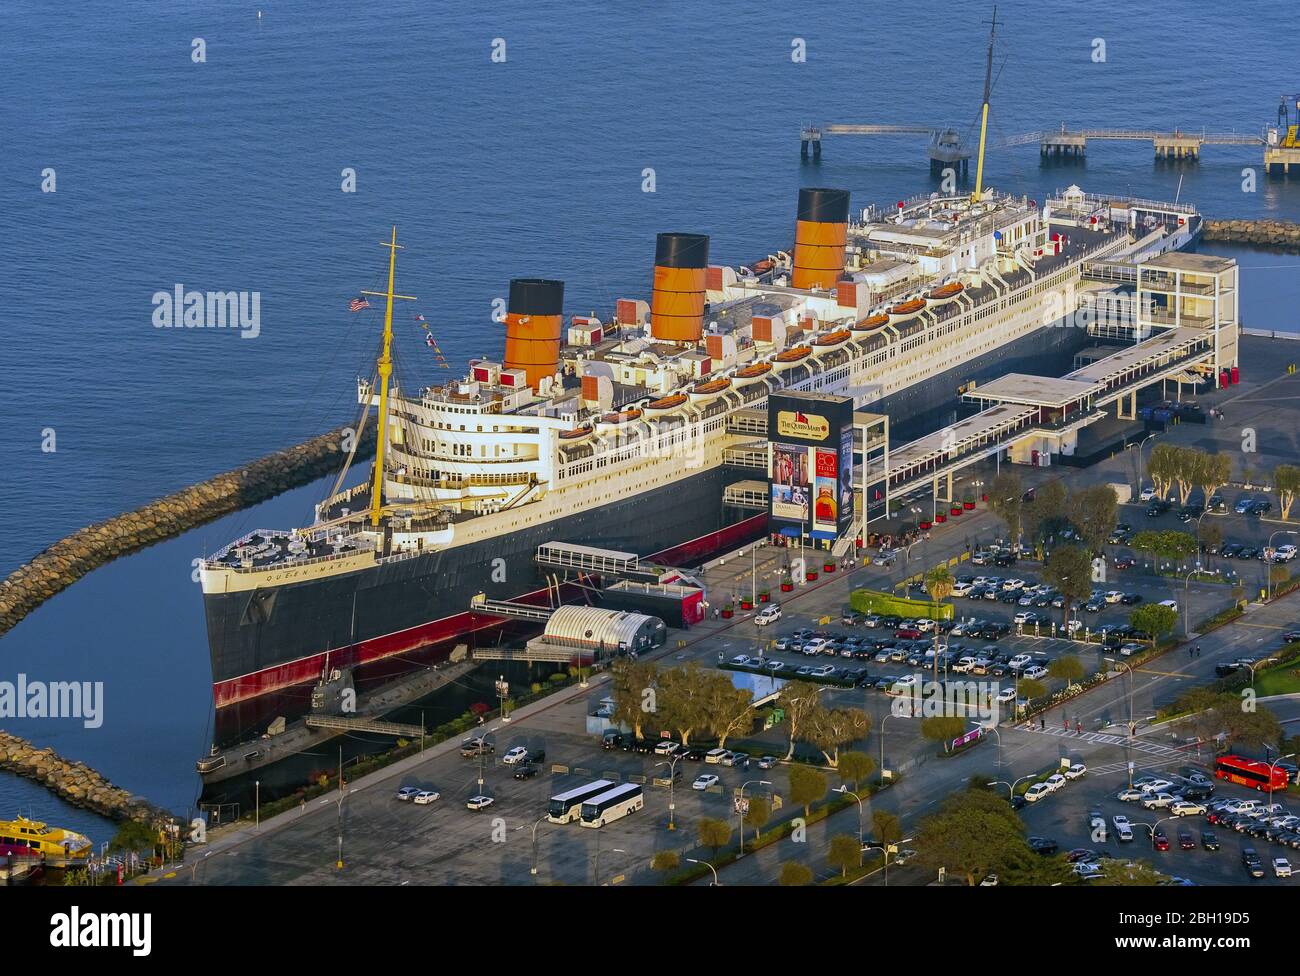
(682,251)
(536,296)
(824,206)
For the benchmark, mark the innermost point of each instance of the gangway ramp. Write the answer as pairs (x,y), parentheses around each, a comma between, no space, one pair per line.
(587,559)
(508,608)
(531,653)
(355,723)
(746,494)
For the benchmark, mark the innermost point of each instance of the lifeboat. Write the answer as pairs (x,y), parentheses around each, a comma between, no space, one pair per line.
(665,404)
(945,293)
(750,373)
(790,357)
(575,435)
(762,267)
(905,310)
(619,418)
(710,389)
(832,338)
(871,323)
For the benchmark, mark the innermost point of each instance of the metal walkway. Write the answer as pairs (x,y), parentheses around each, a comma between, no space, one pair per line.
(507,608)
(354,723)
(550,653)
(746,494)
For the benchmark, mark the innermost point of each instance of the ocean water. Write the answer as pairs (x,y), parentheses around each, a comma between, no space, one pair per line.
(226,175)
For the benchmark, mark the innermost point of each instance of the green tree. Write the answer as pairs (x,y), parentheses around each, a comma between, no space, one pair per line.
(973,833)
(844,853)
(1046,513)
(1286,480)
(713,834)
(801,702)
(1068,669)
(1212,473)
(728,710)
(683,699)
(665,861)
(1211,536)
(942,729)
(1006,496)
(1095,510)
(1020,865)
(1154,619)
(1166,544)
(133,836)
(829,729)
(807,786)
(634,693)
(1069,569)
(939,583)
(795,875)
(1029,689)
(1253,727)
(758,813)
(854,767)
(886,827)
(1162,467)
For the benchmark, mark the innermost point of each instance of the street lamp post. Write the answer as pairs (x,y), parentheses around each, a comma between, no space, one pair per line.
(1128,671)
(740,814)
(1011,787)
(533,868)
(1272,766)
(1187,586)
(672,789)
(1271,563)
(845,789)
(1257,664)
(612,850)
(716,882)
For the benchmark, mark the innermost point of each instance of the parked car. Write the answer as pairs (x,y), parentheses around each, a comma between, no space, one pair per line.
(408,793)
(479,802)
(770,614)
(515,755)
(425,797)
(1209,841)
(704,781)
(1281,867)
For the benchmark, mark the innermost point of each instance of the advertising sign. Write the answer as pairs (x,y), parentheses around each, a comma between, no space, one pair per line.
(811,480)
(790,483)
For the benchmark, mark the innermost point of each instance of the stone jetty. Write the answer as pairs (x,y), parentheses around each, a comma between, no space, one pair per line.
(75,782)
(65,562)
(1283,235)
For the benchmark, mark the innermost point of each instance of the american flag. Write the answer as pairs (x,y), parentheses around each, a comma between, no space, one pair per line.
(359,303)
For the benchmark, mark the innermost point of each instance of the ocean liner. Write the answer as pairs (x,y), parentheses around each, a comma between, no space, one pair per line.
(612,431)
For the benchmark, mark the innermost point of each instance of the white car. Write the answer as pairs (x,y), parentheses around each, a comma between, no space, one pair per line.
(515,755)
(1113,596)
(1284,554)
(1131,648)
(1186,808)
(479,802)
(904,685)
(1120,821)
(825,671)
(1037,792)
(1025,617)
(1006,696)
(1130,795)
(769,614)
(1147,494)
(1036,672)
(814,646)
(1075,771)
(923,624)
(961,589)
(1153,785)
(1281,867)
(1155,801)
(1019,661)
(1171,604)
(740,660)
(704,781)
(426,796)
(666,747)
(1013,584)
(1074,626)
(1054,782)
(964,665)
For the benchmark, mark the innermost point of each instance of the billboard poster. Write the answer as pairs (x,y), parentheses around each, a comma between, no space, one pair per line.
(846,479)
(790,483)
(826,504)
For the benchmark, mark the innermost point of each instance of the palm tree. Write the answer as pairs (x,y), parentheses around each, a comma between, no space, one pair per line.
(939,584)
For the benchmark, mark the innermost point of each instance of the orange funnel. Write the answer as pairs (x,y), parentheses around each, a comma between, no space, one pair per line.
(819,235)
(533,323)
(677,303)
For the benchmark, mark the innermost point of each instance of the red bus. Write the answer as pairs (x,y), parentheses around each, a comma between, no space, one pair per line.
(1250,772)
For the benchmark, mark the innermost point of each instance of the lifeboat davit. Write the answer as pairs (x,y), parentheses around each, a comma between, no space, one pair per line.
(577,434)
(752,372)
(791,357)
(619,418)
(832,339)
(871,323)
(905,310)
(666,404)
(945,293)
(710,389)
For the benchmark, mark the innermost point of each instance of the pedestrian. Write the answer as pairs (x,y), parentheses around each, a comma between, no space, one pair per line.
(1198,650)
(1078,726)
(1042,723)
(1066,718)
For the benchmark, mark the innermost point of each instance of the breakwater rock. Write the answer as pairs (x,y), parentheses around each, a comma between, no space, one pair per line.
(65,562)
(75,782)
(1279,234)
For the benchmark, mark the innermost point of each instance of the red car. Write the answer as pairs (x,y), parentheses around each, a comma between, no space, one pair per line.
(908,633)
(1161,841)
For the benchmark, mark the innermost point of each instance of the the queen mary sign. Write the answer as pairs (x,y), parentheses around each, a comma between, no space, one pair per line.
(811,464)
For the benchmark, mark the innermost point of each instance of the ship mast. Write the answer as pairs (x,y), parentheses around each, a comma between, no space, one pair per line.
(984,118)
(385,367)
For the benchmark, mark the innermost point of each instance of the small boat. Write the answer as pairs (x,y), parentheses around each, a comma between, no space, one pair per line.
(945,293)
(577,434)
(619,418)
(50,841)
(905,310)
(665,404)
(833,338)
(871,323)
(791,357)
(762,267)
(710,388)
(752,372)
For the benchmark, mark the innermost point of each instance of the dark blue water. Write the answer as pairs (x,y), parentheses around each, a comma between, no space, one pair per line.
(226,176)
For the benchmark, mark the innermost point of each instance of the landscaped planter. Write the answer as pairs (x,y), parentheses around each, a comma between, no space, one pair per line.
(787,587)
(984,498)
(955,510)
(926,525)
(968,505)
(746,605)
(764,597)
(941,518)
(828,567)
(727,613)
(811,574)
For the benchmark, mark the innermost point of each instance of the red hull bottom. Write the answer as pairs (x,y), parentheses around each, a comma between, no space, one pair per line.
(438,636)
